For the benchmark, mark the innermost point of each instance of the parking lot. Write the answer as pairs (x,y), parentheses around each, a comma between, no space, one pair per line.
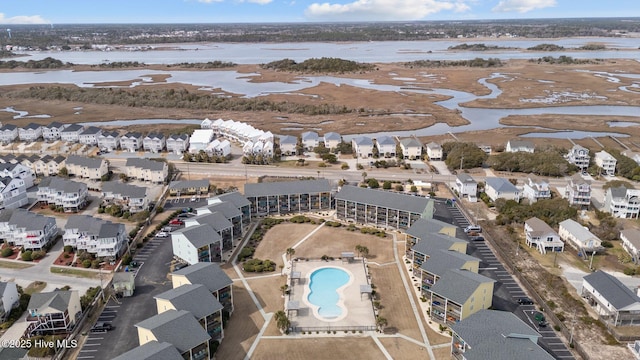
(151,279)
(506,290)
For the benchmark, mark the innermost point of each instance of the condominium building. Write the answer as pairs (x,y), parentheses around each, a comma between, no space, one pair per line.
(70,195)
(578,191)
(288,196)
(86,167)
(99,237)
(32,231)
(147,170)
(381,208)
(606,162)
(622,202)
(579,156)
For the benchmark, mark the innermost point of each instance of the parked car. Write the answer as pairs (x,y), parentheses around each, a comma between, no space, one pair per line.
(525,301)
(101,327)
(436,303)
(176,222)
(477,238)
(167,229)
(473,228)
(162,234)
(183,215)
(194,199)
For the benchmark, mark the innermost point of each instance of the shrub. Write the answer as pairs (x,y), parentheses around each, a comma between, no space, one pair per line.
(257,265)
(37,255)
(95,264)
(159,209)
(26,256)
(344,166)
(246,252)
(68,248)
(627,271)
(6,252)
(86,263)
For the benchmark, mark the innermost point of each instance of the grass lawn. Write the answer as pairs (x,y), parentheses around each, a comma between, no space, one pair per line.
(74,272)
(35,287)
(14,265)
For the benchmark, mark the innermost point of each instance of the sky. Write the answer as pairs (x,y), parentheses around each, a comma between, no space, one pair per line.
(227,11)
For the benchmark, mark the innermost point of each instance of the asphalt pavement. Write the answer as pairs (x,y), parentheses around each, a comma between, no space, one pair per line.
(506,289)
(151,279)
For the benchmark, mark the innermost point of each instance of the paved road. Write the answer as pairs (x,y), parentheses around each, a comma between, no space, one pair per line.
(151,280)
(506,289)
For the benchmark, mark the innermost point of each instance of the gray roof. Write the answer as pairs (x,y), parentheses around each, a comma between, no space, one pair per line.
(73,128)
(113,134)
(32,126)
(501,185)
(58,300)
(155,135)
(123,277)
(423,227)
(178,328)
(5,215)
(235,198)
(633,236)
(207,274)
(54,124)
(111,230)
(612,289)
(216,220)
(499,335)
(576,179)
(199,235)
(382,198)
(132,135)
(434,242)
(521,143)
(152,350)
(91,130)
(310,135)
(30,221)
(458,285)
(385,140)
(288,139)
(287,188)
(92,163)
(363,140)
(63,185)
(444,260)
(3,286)
(178,137)
(186,184)
(126,190)
(433,145)
(8,127)
(194,298)
(332,136)
(146,164)
(228,209)
(95,226)
(410,142)
(617,192)
(577,229)
(59,159)
(466,179)
(539,227)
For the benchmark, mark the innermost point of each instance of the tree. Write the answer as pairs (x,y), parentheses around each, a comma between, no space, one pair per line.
(63,171)
(284,289)
(290,253)
(381,323)
(373,183)
(469,154)
(282,321)
(362,251)
(399,187)
(386,185)
(123,177)
(364,176)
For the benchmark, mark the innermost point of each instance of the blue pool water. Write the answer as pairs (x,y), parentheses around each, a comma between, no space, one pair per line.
(323,285)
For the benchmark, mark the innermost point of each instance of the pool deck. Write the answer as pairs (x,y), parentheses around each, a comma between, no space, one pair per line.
(359,308)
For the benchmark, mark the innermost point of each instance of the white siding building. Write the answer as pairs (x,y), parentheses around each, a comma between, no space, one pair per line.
(467,187)
(178,143)
(362,147)
(606,162)
(434,151)
(411,149)
(578,236)
(622,202)
(31,132)
(386,146)
(499,188)
(540,235)
(71,133)
(536,189)
(90,136)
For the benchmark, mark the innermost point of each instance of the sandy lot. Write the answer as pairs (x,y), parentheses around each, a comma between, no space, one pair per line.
(318,349)
(380,249)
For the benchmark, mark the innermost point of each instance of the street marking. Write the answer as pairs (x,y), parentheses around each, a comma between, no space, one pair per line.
(98,344)
(491,268)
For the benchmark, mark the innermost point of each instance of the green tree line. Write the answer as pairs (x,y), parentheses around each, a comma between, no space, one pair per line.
(477,62)
(322,65)
(182,99)
(546,162)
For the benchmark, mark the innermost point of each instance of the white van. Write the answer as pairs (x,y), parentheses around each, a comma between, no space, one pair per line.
(473,229)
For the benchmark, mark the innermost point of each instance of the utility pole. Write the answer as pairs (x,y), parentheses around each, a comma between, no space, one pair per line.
(461,161)
(591,262)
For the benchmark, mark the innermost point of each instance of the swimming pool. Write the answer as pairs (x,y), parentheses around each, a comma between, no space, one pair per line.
(323,287)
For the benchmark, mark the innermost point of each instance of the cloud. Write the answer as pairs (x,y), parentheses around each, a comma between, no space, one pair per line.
(209,1)
(34,19)
(260,2)
(360,10)
(522,6)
